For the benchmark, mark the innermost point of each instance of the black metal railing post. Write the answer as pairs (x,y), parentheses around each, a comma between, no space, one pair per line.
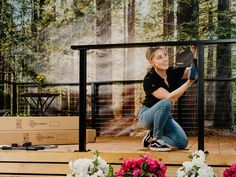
(14,98)
(201,97)
(82,100)
(93,104)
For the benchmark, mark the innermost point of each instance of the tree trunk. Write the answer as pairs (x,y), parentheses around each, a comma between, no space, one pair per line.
(103,57)
(5,15)
(1,79)
(187,19)
(130,59)
(1,55)
(41,3)
(34,18)
(223,104)
(168,29)
(103,36)
(129,90)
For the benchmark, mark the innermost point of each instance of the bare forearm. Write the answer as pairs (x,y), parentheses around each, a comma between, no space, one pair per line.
(180,91)
(162,93)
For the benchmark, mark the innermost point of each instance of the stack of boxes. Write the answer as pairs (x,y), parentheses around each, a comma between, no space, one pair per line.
(42,130)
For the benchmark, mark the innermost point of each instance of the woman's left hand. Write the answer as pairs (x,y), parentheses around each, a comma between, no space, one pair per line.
(193,49)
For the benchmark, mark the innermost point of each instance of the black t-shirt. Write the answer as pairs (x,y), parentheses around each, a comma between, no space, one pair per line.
(152,81)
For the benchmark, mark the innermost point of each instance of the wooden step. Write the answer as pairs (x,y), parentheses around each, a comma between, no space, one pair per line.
(54,162)
(47,169)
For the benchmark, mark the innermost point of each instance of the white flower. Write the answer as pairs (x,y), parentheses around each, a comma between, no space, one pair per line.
(81,166)
(180,172)
(188,165)
(196,168)
(97,167)
(199,155)
(208,171)
(99,173)
(103,165)
(199,163)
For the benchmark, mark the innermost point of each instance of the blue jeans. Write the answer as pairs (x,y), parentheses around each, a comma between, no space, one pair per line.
(159,119)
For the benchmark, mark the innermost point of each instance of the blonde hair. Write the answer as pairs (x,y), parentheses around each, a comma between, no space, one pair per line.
(150,54)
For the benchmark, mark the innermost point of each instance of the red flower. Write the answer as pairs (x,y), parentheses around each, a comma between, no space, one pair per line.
(142,167)
(230,172)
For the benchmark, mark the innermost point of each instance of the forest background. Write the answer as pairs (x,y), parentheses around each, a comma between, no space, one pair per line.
(36,36)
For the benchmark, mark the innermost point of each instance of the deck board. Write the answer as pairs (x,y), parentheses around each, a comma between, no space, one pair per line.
(114,150)
(192,144)
(212,144)
(227,142)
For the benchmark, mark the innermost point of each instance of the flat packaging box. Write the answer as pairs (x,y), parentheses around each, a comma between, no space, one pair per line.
(39,123)
(45,137)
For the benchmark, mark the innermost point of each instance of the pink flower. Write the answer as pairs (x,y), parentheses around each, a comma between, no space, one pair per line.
(231,171)
(142,167)
(137,172)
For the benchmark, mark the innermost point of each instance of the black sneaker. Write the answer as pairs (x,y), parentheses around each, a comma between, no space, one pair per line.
(147,139)
(159,145)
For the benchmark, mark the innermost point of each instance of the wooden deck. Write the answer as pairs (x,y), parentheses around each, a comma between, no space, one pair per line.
(54,162)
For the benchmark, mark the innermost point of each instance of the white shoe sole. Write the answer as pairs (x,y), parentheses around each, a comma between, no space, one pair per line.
(160,149)
(168,145)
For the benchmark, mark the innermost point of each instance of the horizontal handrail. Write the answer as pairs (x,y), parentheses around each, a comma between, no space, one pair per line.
(34,84)
(151,44)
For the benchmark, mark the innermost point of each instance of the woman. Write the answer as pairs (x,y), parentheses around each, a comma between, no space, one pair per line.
(161,89)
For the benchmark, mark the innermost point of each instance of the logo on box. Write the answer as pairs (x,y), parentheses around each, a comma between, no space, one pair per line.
(40,137)
(32,123)
(18,123)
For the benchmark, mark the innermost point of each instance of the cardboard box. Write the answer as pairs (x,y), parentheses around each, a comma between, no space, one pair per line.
(39,123)
(45,137)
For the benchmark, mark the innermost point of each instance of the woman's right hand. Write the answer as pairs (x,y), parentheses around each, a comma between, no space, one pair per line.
(192,73)
(193,49)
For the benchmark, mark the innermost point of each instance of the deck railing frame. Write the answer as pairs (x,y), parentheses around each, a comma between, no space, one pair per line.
(83,74)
